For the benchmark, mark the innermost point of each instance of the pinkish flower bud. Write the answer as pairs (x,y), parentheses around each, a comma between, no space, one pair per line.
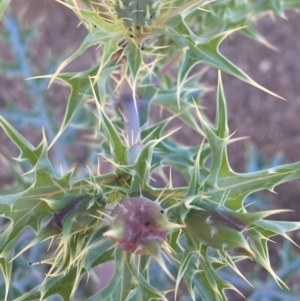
(138,226)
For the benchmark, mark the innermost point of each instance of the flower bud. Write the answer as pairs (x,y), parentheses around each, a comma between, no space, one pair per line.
(138,226)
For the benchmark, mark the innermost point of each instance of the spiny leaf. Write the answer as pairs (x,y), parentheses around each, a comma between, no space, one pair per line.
(80,87)
(117,148)
(6,272)
(47,232)
(206,50)
(134,62)
(271,228)
(21,214)
(230,262)
(142,167)
(124,269)
(101,33)
(217,147)
(195,177)
(98,252)
(61,285)
(37,157)
(209,226)
(141,175)
(258,244)
(102,93)
(167,99)
(118,287)
(221,127)
(240,185)
(27,150)
(184,265)
(106,294)
(222,178)
(148,291)
(198,277)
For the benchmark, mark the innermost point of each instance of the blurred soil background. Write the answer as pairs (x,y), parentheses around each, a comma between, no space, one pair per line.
(271,125)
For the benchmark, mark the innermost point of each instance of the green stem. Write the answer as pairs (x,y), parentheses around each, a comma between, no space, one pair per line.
(132,123)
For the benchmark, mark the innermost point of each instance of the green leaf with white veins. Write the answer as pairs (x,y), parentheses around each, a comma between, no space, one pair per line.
(195,50)
(222,182)
(134,60)
(100,33)
(117,148)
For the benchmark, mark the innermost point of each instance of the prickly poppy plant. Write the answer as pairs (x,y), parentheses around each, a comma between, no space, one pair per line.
(133,216)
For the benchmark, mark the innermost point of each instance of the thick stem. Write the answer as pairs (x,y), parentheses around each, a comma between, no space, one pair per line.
(132,123)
